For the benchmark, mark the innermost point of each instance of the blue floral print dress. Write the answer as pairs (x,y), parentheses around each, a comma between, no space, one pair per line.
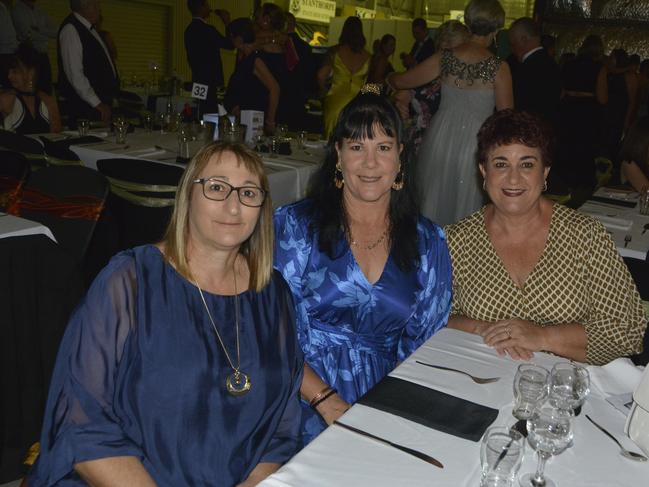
(352,332)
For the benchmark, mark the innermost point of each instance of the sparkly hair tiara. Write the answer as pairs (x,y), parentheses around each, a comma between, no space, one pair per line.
(371,88)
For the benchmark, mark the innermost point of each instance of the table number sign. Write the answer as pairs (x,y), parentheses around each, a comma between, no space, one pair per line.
(199,91)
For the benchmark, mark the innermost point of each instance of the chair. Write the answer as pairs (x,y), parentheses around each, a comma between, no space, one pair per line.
(68,200)
(39,287)
(142,197)
(27,146)
(59,153)
(14,169)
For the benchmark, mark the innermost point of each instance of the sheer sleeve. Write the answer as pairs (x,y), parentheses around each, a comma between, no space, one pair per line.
(616,323)
(292,249)
(80,421)
(433,300)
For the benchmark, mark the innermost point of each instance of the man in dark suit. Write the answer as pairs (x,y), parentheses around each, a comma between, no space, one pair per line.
(203,44)
(536,77)
(88,79)
(423,48)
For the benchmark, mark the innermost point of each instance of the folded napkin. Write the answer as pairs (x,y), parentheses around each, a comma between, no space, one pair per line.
(435,409)
(617,377)
(617,194)
(611,222)
(315,144)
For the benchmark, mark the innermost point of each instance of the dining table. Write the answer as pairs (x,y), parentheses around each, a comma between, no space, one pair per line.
(618,211)
(288,174)
(340,457)
(14,226)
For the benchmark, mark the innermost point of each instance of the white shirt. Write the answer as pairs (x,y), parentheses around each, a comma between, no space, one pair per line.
(33,24)
(529,53)
(8,41)
(72,57)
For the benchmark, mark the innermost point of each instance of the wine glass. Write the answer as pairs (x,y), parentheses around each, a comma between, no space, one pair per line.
(569,385)
(549,433)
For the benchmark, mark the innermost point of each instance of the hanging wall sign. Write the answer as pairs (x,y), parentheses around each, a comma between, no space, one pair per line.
(315,10)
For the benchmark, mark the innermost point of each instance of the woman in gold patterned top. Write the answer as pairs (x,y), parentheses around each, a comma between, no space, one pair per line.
(530,275)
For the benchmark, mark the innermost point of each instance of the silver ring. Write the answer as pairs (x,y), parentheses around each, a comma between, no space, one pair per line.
(509,331)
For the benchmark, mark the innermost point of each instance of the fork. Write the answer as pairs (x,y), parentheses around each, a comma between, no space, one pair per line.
(627,239)
(477,380)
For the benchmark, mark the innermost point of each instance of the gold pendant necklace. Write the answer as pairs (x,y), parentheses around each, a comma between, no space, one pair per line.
(237,383)
(371,246)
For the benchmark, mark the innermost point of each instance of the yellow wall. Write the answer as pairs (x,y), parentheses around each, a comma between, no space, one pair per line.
(148,31)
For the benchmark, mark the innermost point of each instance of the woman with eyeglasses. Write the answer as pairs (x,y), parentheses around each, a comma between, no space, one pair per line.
(181,366)
(371,278)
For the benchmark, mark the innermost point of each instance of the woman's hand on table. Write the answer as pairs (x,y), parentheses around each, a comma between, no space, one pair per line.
(517,338)
(332,408)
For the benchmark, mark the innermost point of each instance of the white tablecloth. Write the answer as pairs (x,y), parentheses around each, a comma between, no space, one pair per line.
(13,226)
(288,175)
(614,218)
(342,458)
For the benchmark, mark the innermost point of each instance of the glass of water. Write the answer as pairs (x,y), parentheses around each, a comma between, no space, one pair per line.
(530,387)
(569,385)
(501,454)
(83,125)
(549,433)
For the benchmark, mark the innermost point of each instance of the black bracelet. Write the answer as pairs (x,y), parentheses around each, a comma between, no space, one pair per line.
(324,398)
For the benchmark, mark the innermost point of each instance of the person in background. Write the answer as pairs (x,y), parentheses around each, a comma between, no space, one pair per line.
(307,64)
(530,275)
(203,44)
(181,366)
(536,80)
(27,109)
(643,89)
(370,276)
(107,37)
(424,46)
(35,26)
(585,93)
(474,82)
(380,65)
(8,40)
(634,155)
(88,78)
(549,43)
(345,70)
(252,85)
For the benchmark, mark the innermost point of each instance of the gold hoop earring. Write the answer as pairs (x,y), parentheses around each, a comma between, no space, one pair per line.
(339,180)
(397,185)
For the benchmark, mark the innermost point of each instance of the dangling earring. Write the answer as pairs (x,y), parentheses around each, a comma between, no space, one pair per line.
(545,185)
(397,185)
(339,180)
(484,185)
(30,84)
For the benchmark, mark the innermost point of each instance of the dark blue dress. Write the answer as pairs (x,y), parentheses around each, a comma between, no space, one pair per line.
(352,332)
(140,372)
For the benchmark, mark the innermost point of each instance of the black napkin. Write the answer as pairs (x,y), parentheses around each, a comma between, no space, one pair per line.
(435,409)
(85,139)
(613,201)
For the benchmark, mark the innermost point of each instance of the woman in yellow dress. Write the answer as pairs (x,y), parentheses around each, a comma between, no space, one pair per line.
(346,68)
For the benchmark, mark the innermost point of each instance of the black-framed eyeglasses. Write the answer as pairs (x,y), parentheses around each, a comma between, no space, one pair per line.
(218,190)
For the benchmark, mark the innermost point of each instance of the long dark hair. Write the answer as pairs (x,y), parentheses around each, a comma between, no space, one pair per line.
(352,34)
(360,119)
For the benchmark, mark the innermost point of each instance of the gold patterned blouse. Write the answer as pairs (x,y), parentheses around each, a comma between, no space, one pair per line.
(579,278)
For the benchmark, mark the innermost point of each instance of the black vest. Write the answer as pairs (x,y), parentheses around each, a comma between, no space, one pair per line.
(96,67)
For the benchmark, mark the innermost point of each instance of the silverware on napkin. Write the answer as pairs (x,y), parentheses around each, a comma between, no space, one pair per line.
(405,449)
(477,380)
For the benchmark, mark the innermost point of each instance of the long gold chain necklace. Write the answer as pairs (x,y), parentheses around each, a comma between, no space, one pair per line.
(371,246)
(237,383)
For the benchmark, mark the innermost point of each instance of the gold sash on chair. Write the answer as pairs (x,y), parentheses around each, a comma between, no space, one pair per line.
(127,189)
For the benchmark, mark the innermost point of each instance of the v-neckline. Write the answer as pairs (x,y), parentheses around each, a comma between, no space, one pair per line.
(548,241)
(360,270)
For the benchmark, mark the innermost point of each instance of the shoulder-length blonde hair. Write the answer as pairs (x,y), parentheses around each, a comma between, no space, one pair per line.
(258,249)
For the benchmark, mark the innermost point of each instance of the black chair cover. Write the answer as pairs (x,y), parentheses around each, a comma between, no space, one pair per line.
(640,271)
(138,223)
(39,287)
(14,169)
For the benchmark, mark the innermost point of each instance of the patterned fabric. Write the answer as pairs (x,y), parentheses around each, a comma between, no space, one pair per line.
(468,74)
(580,278)
(353,332)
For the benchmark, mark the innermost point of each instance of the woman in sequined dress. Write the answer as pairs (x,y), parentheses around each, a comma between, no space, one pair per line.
(474,82)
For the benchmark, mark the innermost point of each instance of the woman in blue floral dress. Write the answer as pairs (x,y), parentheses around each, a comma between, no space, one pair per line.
(371,278)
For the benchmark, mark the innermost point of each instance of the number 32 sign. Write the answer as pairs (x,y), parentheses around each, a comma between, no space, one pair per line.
(199,91)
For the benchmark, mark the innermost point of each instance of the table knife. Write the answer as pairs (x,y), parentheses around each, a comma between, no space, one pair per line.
(405,449)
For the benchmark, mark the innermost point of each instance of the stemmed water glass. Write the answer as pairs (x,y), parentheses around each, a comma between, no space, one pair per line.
(549,433)
(569,385)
